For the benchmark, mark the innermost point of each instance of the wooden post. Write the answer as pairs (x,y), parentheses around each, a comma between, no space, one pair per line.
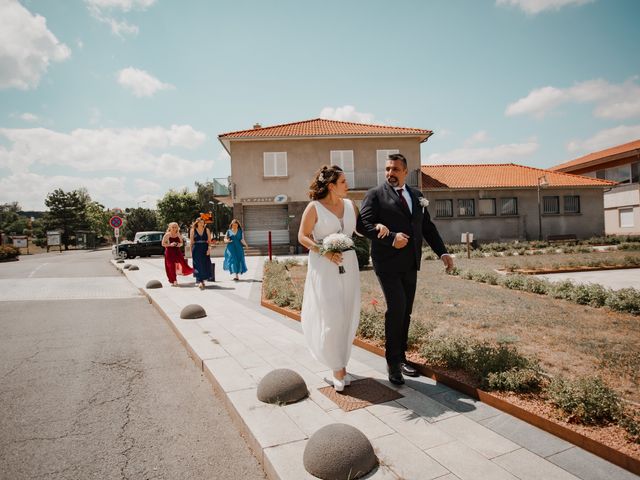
(270,250)
(468,245)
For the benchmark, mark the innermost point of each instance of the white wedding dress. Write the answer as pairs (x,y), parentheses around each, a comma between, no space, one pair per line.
(331,302)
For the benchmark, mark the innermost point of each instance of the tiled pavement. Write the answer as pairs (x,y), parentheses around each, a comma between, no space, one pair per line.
(433,432)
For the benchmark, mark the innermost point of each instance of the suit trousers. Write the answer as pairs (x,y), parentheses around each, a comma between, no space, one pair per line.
(399,290)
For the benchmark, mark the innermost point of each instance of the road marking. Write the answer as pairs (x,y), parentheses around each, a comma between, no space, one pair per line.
(36,269)
(67,288)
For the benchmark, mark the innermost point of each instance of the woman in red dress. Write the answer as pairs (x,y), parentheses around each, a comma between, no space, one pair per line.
(174,262)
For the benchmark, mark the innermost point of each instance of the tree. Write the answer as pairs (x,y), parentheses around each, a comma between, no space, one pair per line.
(140,220)
(182,207)
(67,212)
(98,219)
(222,214)
(9,214)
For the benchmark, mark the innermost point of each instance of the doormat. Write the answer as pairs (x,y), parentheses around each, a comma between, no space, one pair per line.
(360,394)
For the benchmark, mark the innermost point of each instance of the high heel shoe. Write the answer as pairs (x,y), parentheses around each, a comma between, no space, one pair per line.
(338,384)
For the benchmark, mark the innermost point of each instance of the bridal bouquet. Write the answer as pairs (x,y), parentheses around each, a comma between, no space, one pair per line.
(336,243)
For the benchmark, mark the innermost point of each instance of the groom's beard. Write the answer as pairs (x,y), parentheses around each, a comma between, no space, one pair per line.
(393,181)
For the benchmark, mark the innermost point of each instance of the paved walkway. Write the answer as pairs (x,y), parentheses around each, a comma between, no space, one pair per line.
(614,279)
(433,432)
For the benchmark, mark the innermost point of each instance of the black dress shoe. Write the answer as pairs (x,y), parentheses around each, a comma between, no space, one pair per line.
(408,370)
(395,374)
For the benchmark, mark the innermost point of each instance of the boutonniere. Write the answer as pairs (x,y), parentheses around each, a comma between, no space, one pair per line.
(424,203)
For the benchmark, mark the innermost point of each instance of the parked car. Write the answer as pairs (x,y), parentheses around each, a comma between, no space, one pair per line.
(146,244)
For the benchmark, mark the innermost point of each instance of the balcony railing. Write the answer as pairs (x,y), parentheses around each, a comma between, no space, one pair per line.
(363,179)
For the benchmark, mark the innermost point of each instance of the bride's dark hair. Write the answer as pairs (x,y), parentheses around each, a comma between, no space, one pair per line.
(319,187)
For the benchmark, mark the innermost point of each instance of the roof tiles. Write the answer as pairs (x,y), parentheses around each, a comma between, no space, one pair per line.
(600,155)
(319,127)
(507,175)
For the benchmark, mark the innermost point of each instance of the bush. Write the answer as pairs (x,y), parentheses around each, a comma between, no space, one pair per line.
(513,282)
(486,358)
(278,286)
(371,324)
(8,252)
(536,285)
(525,380)
(419,332)
(593,294)
(563,290)
(632,427)
(449,352)
(362,248)
(586,400)
(624,300)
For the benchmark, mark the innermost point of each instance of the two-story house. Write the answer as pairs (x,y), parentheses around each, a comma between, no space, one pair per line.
(512,202)
(620,164)
(272,167)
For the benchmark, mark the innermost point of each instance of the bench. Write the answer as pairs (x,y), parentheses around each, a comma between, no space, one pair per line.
(568,238)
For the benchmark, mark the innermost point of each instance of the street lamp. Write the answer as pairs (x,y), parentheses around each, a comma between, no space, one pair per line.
(542,182)
(143,201)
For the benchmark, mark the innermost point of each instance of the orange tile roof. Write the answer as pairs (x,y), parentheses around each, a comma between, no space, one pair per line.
(507,175)
(320,127)
(595,157)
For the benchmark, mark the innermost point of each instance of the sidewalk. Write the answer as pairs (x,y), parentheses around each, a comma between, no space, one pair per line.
(432,432)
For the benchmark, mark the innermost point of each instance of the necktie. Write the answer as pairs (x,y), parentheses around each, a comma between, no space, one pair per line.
(403,201)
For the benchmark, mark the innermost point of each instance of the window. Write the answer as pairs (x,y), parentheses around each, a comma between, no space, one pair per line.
(509,206)
(626,217)
(487,206)
(572,204)
(444,208)
(466,207)
(635,172)
(620,174)
(275,164)
(344,159)
(381,160)
(550,204)
(601,174)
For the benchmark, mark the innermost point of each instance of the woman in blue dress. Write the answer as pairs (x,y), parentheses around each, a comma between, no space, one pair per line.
(200,238)
(234,253)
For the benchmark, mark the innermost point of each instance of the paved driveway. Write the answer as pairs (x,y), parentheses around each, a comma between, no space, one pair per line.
(615,279)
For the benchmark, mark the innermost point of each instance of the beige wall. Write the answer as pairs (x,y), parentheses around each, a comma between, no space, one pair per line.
(304,157)
(524,226)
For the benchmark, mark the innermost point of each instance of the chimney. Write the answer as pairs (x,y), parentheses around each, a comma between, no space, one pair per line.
(257,125)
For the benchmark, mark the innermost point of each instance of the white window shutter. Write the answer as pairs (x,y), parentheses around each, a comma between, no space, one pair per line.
(269,165)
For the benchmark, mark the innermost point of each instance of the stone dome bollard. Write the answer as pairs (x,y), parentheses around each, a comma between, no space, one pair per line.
(127,266)
(120,261)
(192,311)
(134,267)
(339,451)
(282,386)
(153,284)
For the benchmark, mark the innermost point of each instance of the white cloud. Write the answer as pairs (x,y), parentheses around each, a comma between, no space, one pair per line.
(347,113)
(478,137)
(30,189)
(122,150)
(141,83)
(102,10)
(27,47)
(507,153)
(533,7)
(605,139)
(28,117)
(612,101)
(146,186)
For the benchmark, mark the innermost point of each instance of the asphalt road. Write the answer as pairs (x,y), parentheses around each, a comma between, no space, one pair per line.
(94,384)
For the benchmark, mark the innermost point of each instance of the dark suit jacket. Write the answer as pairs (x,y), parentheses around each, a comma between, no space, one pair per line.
(382,205)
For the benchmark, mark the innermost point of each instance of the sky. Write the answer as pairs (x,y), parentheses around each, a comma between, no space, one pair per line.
(126,98)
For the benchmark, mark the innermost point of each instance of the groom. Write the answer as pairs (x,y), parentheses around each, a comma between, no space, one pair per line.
(396,258)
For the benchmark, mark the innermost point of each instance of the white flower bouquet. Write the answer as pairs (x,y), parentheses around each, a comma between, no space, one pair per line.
(336,243)
(424,203)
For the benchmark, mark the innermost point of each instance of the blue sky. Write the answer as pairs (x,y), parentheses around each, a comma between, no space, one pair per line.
(127,97)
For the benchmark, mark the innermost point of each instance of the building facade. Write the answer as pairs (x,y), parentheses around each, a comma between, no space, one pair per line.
(507,202)
(620,164)
(272,167)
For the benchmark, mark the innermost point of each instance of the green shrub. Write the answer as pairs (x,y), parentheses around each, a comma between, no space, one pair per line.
(624,300)
(586,400)
(524,380)
(449,352)
(629,246)
(536,285)
(513,282)
(419,332)
(592,294)
(371,324)
(8,252)
(362,247)
(562,290)
(486,358)
(632,426)
(278,287)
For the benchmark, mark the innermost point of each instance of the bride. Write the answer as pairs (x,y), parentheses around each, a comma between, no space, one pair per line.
(331,302)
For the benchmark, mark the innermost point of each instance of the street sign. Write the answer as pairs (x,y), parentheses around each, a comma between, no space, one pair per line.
(116,232)
(115,221)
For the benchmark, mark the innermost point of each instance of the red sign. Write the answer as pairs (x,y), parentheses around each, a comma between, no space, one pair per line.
(115,221)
